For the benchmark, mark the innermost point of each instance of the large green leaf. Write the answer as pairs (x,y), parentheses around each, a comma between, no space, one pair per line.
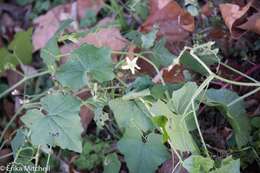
(131,113)
(198,164)
(235,114)
(142,157)
(60,126)
(18,51)
(205,52)
(87,62)
(161,55)
(228,165)
(180,101)
(111,164)
(176,128)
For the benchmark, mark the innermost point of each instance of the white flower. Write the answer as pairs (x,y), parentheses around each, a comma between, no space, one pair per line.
(131,65)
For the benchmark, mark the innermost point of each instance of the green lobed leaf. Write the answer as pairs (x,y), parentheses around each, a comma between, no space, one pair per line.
(161,55)
(18,141)
(142,157)
(60,126)
(87,62)
(198,164)
(177,129)
(235,114)
(18,51)
(111,164)
(205,53)
(180,101)
(130,113)
(228,165)
(149,38)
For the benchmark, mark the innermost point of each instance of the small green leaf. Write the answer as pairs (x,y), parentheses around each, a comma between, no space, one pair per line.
(198,164)
(139,8)
(205,52)
(161,121)
(135,37)
(235,114)
(87,62)
(19,50)
(111,164)
(149,39)
(162,56)
(89,19)
(50,53)
(18,141)
(60,126)
(255,122)
(140,83)
(142,157)
(130,113)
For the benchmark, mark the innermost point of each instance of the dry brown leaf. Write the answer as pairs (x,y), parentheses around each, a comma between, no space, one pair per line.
(83,5)
(231,14)
(174,75)
(252,24)
(48,24)
(86,116)
(6,160)
(207,9)
(155,5)
(174,23)
(107,37)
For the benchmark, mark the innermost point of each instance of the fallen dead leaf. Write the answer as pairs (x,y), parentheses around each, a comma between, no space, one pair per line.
(84,5)
(107,37)
(207,9)
(155,5)
(86,116)
(175,24)
(252,24)
(48,24)
(231,14)
(174,75)
(6,160)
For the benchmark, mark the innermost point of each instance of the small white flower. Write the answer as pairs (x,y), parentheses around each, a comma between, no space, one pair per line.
(26,101)
(15,92)
(131,65)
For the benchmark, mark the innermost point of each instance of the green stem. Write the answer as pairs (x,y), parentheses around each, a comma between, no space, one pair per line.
(37,156)
(10,122)
(198,127)
(48,160)
(238,72)
(236,83)
(244,96)
(22,81)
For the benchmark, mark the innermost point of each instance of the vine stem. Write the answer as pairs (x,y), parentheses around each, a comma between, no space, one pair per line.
(22,81)
(244,96)
(242,74)
(236,83)
(10,122)
(48,160)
